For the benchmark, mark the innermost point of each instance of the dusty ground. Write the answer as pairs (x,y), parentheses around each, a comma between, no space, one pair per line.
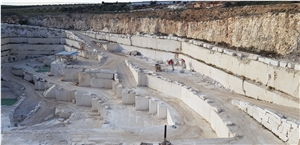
(125,124)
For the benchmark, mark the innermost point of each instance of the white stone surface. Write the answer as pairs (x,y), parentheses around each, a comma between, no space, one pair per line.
(84,98)
(101,83)
(41,85)
(274,62)
(291,65)
(119,90)
(27,76)
(57,68)
(161,111)
(273,121)
(141,103)
(71,74)
(95,104)
(153,106)
(283,63)
(63,94)
(128,98)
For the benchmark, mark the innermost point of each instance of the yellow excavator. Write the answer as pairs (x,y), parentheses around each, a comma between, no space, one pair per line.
(157,68)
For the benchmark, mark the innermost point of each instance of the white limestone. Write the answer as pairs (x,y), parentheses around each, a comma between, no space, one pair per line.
(141,103)
(274,62)
(71,74)
(153,106)
(41,85)
(291,65)
(27,76)
(101,83)
(128,98)
(119,93)
(273,121)
(57,68)
(283,63)
(161,111)
(95,104)
(63,94)
(84,98)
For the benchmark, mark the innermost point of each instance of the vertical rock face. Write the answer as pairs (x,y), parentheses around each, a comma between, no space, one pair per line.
(269,30)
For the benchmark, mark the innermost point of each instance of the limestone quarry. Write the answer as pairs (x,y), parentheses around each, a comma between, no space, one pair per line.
(225,76)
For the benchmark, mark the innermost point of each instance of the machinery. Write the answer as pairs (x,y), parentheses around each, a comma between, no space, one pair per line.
(157,68)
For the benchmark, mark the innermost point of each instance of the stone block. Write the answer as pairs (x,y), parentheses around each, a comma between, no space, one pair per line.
(217,110)
(243,105)
(203,97)
(220,50)
(141,103)
(293,124)
(253,57)
(267,60)
(285,125)
(274,62)
(283,64)
(294,136)
(261,59)
(267,124)
(119,91)
(297,66)
(250,110)
(153,106)
(84,98)
(161,111)
(291,65)
(228,123)
(231,53)
(240,55)
(256,116)
(273,123)
(284,131)
(215,48)
(128,98)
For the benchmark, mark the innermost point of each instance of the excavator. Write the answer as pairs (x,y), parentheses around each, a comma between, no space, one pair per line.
(157,68)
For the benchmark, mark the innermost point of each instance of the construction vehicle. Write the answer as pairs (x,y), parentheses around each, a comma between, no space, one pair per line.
(157,68)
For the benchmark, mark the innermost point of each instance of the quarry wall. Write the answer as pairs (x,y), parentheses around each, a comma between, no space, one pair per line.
(199,103)
(274,80)
(276,29)
(22,41)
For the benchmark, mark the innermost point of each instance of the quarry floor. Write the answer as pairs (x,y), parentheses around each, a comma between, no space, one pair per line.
(86,127)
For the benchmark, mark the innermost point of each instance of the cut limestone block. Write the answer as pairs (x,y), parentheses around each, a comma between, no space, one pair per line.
(27,76)
(153,106)
(119,91)
(114,86)
(291,65)
(95,104)
(100,106)
(161,111)
(274,62)
(41,85)
(141,103)
(283,64)
(297,66)
(84,98)
(64,94)
(128,98)
(101,83)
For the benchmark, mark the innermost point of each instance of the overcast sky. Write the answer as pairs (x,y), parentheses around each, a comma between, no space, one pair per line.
(41,2)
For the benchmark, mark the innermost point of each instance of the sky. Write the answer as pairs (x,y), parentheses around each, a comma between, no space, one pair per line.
(41,2)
